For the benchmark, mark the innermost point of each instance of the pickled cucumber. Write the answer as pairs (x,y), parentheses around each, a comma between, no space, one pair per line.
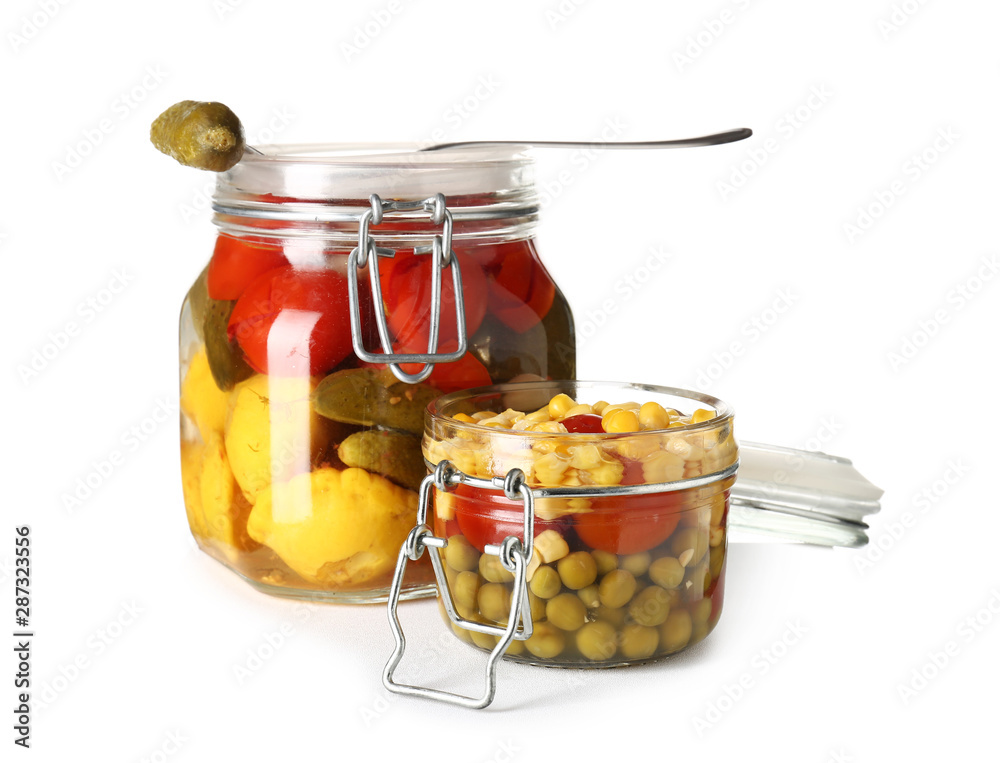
(224,359)
(394,455)
(202,134)
(197,299)
(366,397)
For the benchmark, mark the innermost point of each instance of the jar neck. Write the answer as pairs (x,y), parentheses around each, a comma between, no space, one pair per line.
(322,196)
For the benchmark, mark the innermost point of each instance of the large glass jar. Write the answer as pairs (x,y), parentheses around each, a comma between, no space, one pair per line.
(301,461)
(628,557)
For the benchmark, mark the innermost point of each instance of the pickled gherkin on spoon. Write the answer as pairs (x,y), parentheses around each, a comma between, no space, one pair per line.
(202,134)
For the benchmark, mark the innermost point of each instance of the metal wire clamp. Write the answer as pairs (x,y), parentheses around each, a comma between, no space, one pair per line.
(513,554)
(367,253)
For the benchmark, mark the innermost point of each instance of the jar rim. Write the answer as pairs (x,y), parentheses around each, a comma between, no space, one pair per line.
(436,408)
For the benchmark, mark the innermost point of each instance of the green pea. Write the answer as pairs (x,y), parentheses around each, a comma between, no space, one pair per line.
(676,631)
(637,564)
(596,641)
(639,641)
(546,641)
(465,588)
(650,607)
(577,570)
(666,572)
(460,554)
(537,605)
(491,568)
(484,640)
(590,596)
(605,560)
(617,588)
(613,615)
(494,602)
(566,611)
(689,545)
(545,583)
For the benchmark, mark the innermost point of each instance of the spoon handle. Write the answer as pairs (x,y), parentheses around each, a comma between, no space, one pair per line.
(729,136)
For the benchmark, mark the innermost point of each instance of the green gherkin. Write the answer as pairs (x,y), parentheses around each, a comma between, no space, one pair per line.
(395,455)
(202,134)
(361,396)
(225,360)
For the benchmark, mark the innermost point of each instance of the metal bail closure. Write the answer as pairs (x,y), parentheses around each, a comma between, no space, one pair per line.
(366,253)
(514,556)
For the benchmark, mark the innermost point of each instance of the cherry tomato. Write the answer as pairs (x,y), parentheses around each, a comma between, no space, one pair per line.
(464,373)
(589,423)
(485,517)
(238,262)
(293,322)
(630,524)
(520,289)
(406,290)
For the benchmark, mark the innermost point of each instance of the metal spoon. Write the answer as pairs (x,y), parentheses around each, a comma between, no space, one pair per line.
(729,136)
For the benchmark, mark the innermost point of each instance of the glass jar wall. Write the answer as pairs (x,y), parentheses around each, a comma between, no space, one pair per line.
(300,462)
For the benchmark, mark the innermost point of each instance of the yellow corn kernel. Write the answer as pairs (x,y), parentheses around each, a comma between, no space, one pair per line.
(662,467)
(636,448)
(560,404)
(621,421)
(539,415)
(653,416)
(464,460)
(550,445)
(464,418)
(496,423)
(702,415)
(549,469)
(578,410)
(444,505)
(608,473)
(552,427)
(510,415)
(684,448)
(585,456)
(599,407)
(535,562)
(551,546)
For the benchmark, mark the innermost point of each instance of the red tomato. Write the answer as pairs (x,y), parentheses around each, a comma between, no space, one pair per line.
(630,524)
(406,290)
(293,322)
(589,423)
(520,289)
(237,262)
(464,373)
(485,517)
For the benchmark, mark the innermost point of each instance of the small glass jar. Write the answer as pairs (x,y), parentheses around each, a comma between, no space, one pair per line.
(628,557)
(300,459)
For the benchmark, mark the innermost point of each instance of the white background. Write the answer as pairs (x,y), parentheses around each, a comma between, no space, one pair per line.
(884,106)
